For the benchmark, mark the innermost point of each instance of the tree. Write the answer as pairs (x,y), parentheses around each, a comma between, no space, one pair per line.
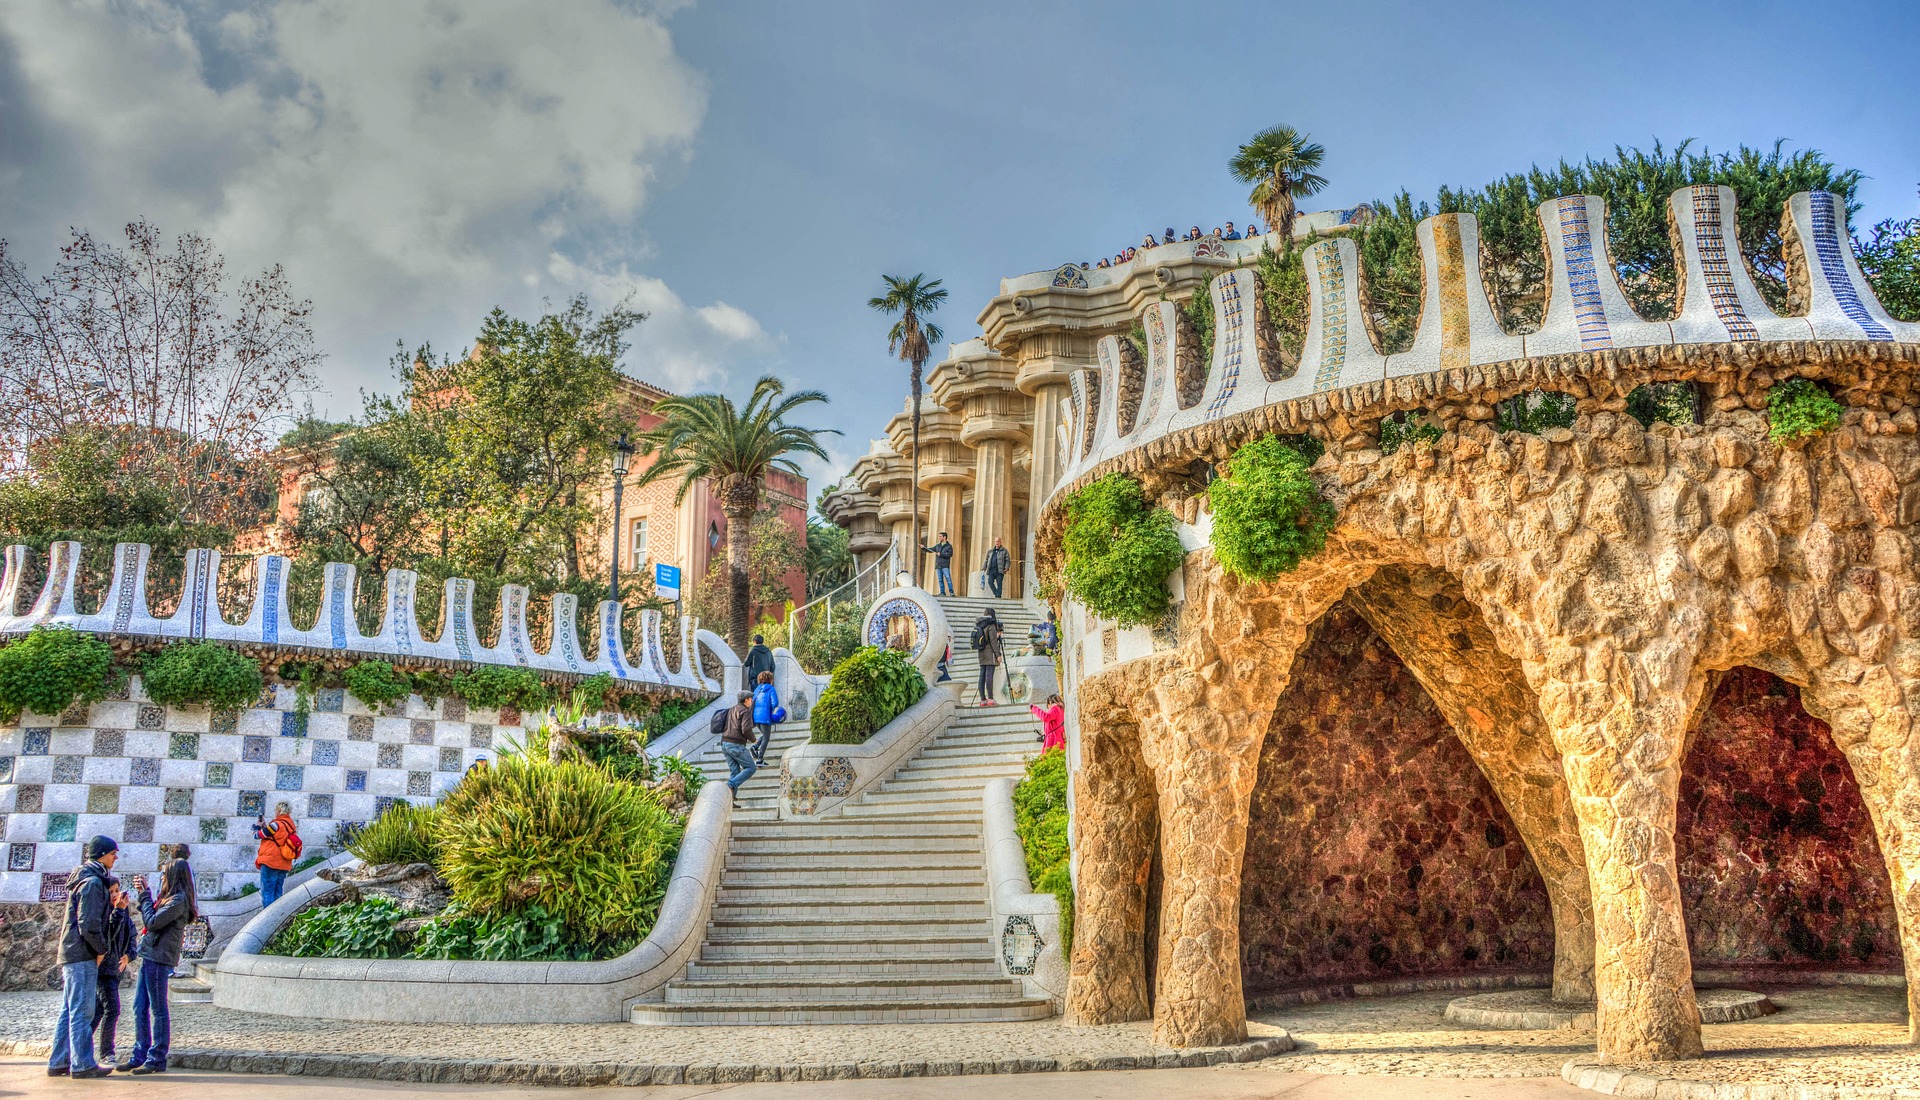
(706,437)
(193,376)
(773,553)
(829,562)
(1891,260)
(912,337)
(1280,163)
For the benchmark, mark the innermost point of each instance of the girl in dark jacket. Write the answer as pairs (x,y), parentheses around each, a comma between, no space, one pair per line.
(166,922)
(120,948)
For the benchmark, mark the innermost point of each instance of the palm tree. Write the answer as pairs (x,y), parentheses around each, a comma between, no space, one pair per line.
(913,337)
(1280,163)
(706,438)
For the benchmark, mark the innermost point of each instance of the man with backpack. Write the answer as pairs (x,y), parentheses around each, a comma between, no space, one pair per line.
(736,741)
(999,564)
(279,847)
(987,633)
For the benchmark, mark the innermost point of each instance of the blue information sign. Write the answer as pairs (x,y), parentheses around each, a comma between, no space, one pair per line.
(666,581)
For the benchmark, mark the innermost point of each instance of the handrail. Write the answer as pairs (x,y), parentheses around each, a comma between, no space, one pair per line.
(877,577)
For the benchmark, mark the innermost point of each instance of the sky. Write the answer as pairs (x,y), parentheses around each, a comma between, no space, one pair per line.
(746,171)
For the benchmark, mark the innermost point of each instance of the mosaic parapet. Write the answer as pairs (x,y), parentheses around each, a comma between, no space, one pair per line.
(124,610)
(1459,332)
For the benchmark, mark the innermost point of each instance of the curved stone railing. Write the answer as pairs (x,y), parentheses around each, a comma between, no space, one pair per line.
(225,919)
(409,991)
(818,779)
(123,610)
(1026,925)
(1340,369)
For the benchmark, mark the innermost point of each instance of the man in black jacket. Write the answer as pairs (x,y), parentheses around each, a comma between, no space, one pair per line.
(83,947)
(759,659)
(999,564)
(942,552)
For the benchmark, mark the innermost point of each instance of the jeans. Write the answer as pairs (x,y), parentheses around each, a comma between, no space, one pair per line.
(273,882)
(152,1023)
(993,582)
(73,1035)
(765,730)
(740,765)
(945,576)
(106,1013)
(986,682)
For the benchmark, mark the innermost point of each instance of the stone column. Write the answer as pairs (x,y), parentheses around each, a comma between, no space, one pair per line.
(891,482)
(1113,825)
(945,475)
(993,513)
(979,385)
(1047,361)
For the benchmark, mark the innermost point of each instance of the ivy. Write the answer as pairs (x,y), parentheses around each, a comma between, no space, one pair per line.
(1268,515)
(207,673)
(1199,311)
(1119,550)
(1799,408)
(491,687)
(1662,402)
(1534,412)
(1403,428)
(51,669)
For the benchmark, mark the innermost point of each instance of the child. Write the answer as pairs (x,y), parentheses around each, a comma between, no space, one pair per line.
(120,940)
(166,922)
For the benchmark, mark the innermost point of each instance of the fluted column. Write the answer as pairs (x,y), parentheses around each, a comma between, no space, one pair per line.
(978,384)
(945,475)
(1044,378)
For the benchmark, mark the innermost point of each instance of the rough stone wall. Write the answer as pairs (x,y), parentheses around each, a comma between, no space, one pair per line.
(29,947)
(1778,861)
(1376,848)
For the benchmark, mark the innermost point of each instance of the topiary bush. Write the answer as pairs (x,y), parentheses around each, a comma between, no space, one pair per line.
(1040,817)
(206,673)
(1119,550)
(51,669)
(494,686)
(870,688)
(1268,514)
(1800,408)
(404,834)
(588,849)
(377,683)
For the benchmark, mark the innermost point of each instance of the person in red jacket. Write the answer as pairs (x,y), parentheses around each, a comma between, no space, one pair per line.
(279,847)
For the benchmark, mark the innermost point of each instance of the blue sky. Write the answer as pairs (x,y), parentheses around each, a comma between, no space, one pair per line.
(747,170)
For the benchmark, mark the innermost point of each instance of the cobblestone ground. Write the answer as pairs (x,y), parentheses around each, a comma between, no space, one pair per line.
(1848,1035)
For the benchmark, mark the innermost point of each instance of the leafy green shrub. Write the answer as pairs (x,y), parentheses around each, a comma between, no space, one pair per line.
(869,689)
(494,686)
(1534,412)
(590,850)
(1040,817)
(1283,283)
(1666,402)
(376,683)
(361,930)
(1268,515)
(1400,429)
(530,935)
(675,764)
(404,834)
(51,669)
(202,672)
(1199,312)
(595,694)
(823,646)
(431,685)
(662,717)
(1799,408)
(1119,550)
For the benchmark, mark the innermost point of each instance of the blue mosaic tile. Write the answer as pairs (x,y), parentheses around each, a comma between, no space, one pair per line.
(382,803)
(110,743)
(420,784)
(389,756)
(326,753)
(183,746)
(320,805)
(252,804)
(293,724)
(60,827)
(330,700)
(219,775)
(288,777)
(28,798)
(38,739)
(256,750)
(449,760)
(152,716)
(20,857)
(139,829)
(67,769)
(224,721)
(103,798)
(6,769)
(213,830)
(179,800)
(360,727)
(356,780)
(420,732)
(144,772)
(480,736)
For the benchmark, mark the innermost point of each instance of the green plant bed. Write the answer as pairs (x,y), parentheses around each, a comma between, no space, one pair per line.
(1119,550)
(869,689)
(51,669)
(1040,817)
(206,673)
(1268,515)
(494,686)
(377,683)
(1800,408)
(404,834)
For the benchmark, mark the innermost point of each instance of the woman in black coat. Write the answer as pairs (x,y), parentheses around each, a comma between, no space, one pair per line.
(166,922)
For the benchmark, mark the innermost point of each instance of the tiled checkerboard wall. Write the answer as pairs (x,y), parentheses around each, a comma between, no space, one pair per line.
(149,775)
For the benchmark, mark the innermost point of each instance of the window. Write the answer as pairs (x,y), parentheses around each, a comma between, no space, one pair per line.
(713,535)
(637,542)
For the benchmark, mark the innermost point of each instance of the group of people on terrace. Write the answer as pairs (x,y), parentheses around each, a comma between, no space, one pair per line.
(1127,255)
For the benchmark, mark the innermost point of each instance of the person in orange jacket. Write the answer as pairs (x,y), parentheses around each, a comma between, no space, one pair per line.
(279,847)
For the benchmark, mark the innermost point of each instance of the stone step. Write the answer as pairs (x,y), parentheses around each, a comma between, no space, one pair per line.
(984,763)
(811,874)
(875,803)
(835,990)
(928,775)
(829,926)
(959,944)
(876,912)
(827,860)
(189,991)
(896,828)
(780,1013)
(904,887)
(980,966)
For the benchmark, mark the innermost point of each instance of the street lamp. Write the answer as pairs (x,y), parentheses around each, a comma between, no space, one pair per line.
(622,452)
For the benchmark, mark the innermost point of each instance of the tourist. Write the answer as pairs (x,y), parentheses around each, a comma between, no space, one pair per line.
(942,552)
(1148,241)
(1045,636)
(1253,230)
(986,642)
(759,659)
(734,742)
(1193,234)
(120,948)
(997,564)
(279,846)
(1103,262)
(1216,231)
(83,947)
(1167,238)
(767,713)
(1230,234)
(1053,723)
(166,921)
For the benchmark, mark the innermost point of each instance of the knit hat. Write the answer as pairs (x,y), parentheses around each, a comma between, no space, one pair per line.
(100,846)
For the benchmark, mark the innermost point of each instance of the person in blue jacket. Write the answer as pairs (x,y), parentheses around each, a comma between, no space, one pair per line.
(767,713)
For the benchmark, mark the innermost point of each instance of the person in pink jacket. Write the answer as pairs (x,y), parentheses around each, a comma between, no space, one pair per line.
(1053,723)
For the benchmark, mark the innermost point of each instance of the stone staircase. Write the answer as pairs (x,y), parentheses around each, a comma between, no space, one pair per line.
(962,612)
(875,914)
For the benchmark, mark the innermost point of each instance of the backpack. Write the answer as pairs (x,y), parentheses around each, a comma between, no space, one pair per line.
(980,634)
(718,723)
(290,846)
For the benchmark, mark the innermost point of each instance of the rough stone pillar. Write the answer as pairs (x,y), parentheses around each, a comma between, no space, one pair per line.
(1113,824)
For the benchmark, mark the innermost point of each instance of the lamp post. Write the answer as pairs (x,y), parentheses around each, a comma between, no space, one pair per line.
(622,452)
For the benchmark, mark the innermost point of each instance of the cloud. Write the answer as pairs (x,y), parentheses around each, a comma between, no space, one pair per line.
(679,347)
(412,164)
